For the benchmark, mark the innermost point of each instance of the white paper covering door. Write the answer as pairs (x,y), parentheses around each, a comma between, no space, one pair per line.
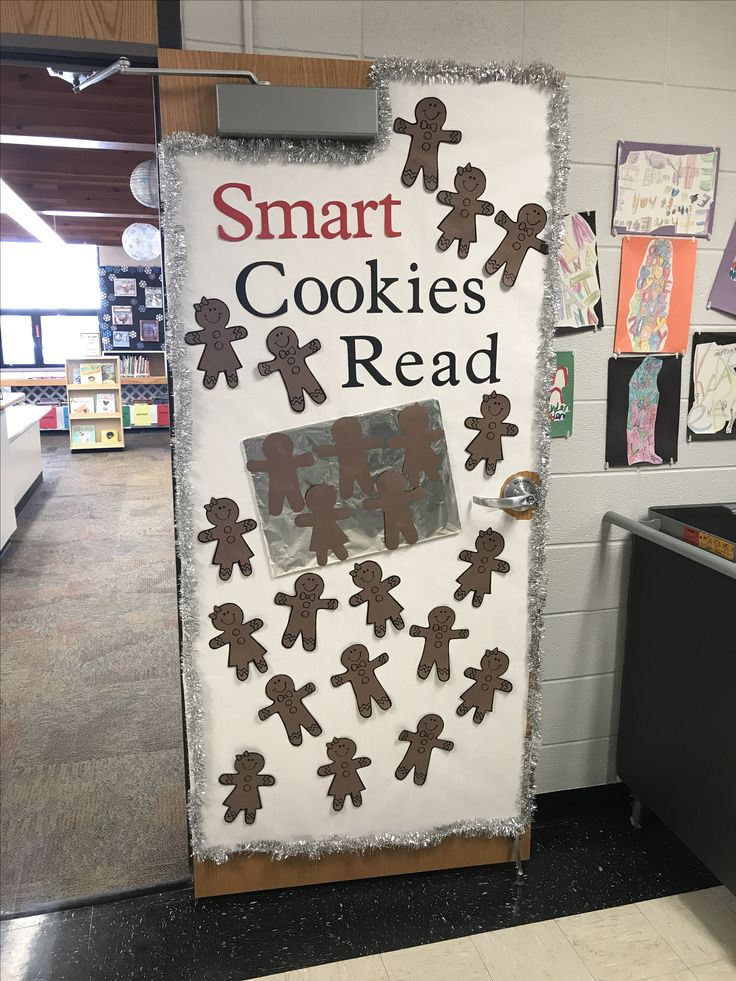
(334,329)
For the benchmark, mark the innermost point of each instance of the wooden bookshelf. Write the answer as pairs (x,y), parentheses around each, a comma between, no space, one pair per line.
(156,366)
(103,423)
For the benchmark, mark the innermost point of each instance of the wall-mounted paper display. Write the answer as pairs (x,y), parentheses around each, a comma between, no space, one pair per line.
(723,292)
(327,456)
(643,411)
(561,395)
(579,303)
(712,403)
(655,295)
(665,189)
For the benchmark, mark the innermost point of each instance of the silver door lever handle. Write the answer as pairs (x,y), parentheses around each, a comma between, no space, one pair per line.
(522,495)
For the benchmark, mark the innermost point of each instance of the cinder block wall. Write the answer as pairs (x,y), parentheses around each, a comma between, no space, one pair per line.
(640,71)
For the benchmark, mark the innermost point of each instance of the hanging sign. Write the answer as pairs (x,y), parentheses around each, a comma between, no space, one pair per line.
(360,339)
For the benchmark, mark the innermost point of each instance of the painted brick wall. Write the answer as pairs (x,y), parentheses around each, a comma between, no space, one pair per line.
(637,70)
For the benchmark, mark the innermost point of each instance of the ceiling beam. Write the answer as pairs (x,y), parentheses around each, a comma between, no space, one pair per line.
(75,144)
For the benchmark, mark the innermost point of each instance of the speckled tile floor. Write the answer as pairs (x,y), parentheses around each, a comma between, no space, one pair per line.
(586,858)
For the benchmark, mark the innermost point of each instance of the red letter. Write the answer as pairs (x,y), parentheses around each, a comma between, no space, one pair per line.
(227,209)
(388,202)
(360,209)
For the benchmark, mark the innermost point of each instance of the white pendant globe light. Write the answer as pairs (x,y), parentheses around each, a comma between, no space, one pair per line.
(144,183)
(142,241)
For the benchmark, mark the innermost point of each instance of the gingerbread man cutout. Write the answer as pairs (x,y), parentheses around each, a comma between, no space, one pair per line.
(421,744)
(227,531)
(521,235)
(218,357)
(437,636)
(327,535)
(343,768)
(395,501)
(486,682)
(290,360)
(459,225)
(417,439)
(360,672)
(305,603)
(490,426)
(282,467)
(483,563)
(350,448)
(287,702)
(246,780)
(426,135)
(382,606)
(237,636)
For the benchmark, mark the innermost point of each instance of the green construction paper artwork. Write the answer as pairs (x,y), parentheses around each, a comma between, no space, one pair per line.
(561,395)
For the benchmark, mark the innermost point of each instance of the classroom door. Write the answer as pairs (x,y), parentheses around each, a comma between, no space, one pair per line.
(187,104)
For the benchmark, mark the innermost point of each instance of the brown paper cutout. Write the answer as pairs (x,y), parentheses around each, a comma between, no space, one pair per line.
(377,594)
(521,235)
(246,780)
(483,563)
(491,428)
(426,135)
(305,603)
(486,682)
(459,225)
(437,636)
(417,439)
(237,636)
(350,448)
(282,467)
(287,703)
(421,744)
(343,768)
(227,531)
(360,673)
(327,535)
(395,501)
(290,361)
(218,356)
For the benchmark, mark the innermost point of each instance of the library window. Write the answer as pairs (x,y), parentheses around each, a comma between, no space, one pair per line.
(50,297)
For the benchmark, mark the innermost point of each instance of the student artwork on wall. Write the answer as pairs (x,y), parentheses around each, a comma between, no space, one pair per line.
(131,314)
(655,295)
(723,292)
(579,304)
(643,411)
(561,395)
(712,397)
(665,189)
(353,361)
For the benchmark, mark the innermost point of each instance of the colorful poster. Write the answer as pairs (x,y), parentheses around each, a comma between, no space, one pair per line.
(655,295)
(561,395)
(665,189)
(359,340)
(712,402)
(643,411)
(723,292)
(578,297)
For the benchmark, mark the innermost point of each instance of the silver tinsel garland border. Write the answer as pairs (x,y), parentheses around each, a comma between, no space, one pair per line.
(335,151)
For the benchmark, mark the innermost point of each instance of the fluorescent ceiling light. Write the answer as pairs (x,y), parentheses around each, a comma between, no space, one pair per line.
(69,144)
(23,214)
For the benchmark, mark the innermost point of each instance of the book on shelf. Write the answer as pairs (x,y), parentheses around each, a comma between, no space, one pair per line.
(83,435)
(134,366)
(76,377)
(108,371)
(82,405)
(105,402)
(109,437)
(90,373)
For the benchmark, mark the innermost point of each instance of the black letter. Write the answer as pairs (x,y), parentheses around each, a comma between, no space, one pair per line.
(299,295)
(353,361)
(450,368)
(407,359)
(242,292)
(472,295)
(414,308)
(377,294)
(436,288)
(335,294)
(493,338)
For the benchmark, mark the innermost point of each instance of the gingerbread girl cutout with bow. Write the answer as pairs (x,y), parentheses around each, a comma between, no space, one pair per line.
(290,361)
(382,606)
(483,563)
(343,768)
(218,357)
(227,531)
(486,682)
(466,204)
(246,780)
(237,636)
(426,135)
(490,426)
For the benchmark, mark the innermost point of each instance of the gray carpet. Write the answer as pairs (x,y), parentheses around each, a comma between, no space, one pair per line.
(92,759)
